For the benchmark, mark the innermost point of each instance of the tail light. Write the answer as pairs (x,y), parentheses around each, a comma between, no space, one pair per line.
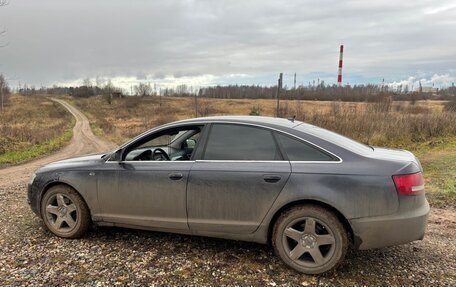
(409,184)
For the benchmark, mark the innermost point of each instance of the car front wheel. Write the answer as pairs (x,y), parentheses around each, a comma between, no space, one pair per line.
(310,239)
(64,212)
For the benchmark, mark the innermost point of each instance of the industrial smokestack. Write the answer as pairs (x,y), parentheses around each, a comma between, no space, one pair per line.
(339,75)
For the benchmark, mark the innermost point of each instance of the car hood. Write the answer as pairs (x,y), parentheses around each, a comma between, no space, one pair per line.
(76,162)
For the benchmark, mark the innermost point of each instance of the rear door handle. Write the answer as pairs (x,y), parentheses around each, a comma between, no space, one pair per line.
(271,178)
(175,176)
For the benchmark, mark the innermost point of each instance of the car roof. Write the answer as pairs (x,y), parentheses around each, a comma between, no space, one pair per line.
(258,120)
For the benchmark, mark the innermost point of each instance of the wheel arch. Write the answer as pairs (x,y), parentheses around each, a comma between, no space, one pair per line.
(325,205)
(51,184)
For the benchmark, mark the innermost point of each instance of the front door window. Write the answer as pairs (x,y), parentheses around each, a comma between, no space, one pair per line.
(170,145)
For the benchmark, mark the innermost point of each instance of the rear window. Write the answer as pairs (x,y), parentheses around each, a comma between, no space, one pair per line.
(297,150)
(335,138)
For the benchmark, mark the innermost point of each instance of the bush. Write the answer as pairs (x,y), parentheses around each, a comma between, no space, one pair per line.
(255,111)
(451,105)
(205,108)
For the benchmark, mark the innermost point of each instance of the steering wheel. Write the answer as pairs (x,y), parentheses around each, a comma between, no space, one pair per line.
(145,155)
(160,154)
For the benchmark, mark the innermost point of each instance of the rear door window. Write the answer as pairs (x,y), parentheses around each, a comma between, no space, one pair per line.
(238,142)
(297,150)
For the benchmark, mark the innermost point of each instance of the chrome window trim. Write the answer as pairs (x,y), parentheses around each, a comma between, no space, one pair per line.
(316,161)
(149,161)
(264,161)
(242,161)
(221,160)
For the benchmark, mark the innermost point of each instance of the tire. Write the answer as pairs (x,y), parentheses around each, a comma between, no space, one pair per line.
(310,239)
(64,212)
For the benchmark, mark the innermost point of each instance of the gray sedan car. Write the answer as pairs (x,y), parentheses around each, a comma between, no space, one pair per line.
(309,192)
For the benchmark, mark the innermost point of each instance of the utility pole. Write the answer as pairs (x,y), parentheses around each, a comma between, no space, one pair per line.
(279,87)
(160,97)
(294,82)
(196,105)
(1,93)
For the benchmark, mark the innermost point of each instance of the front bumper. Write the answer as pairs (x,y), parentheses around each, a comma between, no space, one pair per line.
(382,231)
(33,198)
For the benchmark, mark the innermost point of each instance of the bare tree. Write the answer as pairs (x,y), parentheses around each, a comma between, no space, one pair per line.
(87,82)
(99,82)
(109,89)
(4,91)
(143,89)
(3,84)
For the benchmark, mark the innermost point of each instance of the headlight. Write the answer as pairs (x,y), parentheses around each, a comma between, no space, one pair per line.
(32,178)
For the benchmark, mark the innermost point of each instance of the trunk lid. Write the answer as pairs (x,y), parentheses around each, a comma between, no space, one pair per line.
(395,155)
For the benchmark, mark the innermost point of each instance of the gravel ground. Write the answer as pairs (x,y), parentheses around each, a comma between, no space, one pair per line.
(30,255)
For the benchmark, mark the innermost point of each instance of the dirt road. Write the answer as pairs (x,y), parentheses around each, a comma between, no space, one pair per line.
(83,142)
(31,256)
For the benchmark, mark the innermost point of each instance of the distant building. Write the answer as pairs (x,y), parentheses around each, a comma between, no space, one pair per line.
(116,94)
(427,89)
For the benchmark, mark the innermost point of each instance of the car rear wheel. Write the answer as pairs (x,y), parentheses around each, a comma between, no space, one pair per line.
(310,239)
(64,212)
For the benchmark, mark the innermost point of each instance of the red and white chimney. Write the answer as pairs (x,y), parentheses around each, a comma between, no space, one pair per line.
(339,75)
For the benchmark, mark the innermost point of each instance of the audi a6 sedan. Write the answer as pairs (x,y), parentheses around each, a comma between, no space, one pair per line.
(308,191)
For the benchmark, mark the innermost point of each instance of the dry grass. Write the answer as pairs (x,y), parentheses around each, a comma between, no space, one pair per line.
(31,121)
(388,123)
(395,125)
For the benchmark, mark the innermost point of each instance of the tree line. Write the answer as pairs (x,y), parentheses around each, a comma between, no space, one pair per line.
(320,92)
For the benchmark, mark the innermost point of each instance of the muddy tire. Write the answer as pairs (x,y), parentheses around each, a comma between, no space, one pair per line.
(64,212)
(310,239)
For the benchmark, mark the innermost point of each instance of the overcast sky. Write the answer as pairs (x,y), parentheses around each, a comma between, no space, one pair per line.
(204,42)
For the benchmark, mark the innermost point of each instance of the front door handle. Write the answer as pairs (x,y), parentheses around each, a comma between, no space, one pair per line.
(175,176)
(271,178)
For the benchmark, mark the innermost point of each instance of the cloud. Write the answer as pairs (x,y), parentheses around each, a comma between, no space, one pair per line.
(440,9)
(159,76)
(54,41)
(436,80)
(141,76)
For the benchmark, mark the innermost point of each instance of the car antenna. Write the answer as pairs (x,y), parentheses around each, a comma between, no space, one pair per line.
(292,119)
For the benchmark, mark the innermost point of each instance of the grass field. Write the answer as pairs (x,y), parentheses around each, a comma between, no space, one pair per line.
(395,124)
(31,127)
(439,163)
(422,128)
(34,126)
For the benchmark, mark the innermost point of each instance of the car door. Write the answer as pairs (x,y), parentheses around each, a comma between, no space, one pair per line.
(149,193)
(237,179)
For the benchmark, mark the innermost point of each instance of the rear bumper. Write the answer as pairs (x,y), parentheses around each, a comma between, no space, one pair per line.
(382,231)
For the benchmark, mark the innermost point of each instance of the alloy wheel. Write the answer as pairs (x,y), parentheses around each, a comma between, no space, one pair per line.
(61,213)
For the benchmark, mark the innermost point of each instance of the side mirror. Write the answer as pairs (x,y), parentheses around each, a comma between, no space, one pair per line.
(191,143)
(117,156)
